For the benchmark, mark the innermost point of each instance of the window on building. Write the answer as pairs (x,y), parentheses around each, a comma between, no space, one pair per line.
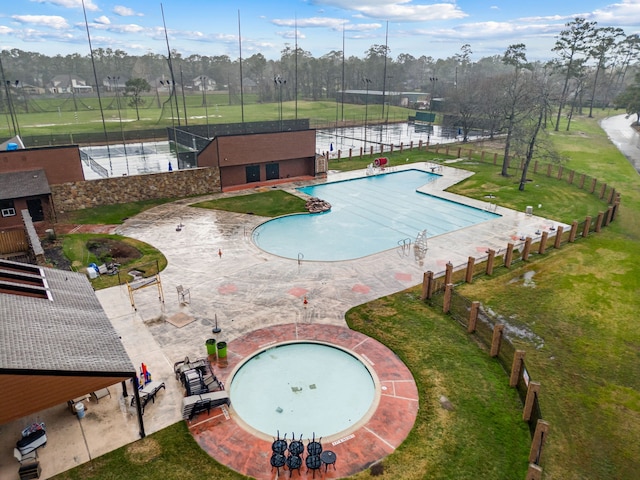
(7,208)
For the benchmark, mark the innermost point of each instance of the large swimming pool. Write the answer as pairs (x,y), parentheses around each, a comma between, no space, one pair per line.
(368,215)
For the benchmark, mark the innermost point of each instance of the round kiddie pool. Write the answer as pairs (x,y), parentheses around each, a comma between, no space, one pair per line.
(310,388)
(246,447)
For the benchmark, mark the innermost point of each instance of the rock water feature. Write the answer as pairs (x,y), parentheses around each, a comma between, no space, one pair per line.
(315,205)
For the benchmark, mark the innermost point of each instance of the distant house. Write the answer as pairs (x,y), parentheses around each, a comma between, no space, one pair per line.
(113,83)
(203,83)
(69,84)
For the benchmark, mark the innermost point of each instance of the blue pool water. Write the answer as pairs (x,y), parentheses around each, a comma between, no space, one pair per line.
(368,215)
(304,388)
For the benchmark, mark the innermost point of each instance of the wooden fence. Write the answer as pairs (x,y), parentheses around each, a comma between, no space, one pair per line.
(438,290)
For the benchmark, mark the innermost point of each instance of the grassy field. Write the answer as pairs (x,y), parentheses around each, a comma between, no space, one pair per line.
(87,117)
(582,306)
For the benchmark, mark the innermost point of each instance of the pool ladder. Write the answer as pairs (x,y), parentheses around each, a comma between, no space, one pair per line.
(405,247)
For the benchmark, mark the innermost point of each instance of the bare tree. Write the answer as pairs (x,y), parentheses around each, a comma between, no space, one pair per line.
(515,96)
(572,43)
(604,42)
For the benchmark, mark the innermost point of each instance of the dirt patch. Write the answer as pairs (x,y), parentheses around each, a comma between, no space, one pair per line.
(108,250)
(55,256)
(105,249)
(143,451)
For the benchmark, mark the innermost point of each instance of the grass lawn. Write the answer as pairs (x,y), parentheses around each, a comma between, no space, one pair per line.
(583,308)
(75,248)
(109,214)
(272,203)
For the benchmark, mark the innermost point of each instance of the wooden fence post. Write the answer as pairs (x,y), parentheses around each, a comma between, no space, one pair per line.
(587,225)
(419,145)
(470,264)
(616,206)
(526,249)
(473,316)
(549,167)
(446,303)
(537,444)
(560,171)
(612,196)
(572,173)
(448,273)
(603,190)
(446,150)
(427,285)
(496,340)
(350,153)
(516,367)
(490,259)
(593,185)
(573,232)
(534,472)
(532,390)
(495,158)
(509,255)
(535,166)
(599,219)
(559,231)
(543,243)
(581,183)
(607,216)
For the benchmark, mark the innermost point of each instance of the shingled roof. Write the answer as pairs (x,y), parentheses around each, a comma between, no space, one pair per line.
(52,321)
(23,184)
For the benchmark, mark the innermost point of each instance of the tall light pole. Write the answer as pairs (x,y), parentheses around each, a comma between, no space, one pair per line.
(14,120)
(366,111)
(279,82)
(116,82)
(203,85)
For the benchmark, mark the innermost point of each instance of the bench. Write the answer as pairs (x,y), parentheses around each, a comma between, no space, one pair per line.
(146,393)
(98,394)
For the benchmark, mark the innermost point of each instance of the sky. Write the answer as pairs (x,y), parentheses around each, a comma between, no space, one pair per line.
(436,28)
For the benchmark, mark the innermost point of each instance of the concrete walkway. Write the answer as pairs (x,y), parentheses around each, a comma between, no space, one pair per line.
(624,137)
(245,289)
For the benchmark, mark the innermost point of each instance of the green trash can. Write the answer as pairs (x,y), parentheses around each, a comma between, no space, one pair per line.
(222,349)
(211,346)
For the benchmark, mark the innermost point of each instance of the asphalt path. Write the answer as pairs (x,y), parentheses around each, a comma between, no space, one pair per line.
(624,137)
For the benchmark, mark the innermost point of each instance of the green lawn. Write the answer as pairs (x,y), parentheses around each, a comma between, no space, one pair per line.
(272,203)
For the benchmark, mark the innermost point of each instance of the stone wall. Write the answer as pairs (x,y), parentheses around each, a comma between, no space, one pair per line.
(110,191)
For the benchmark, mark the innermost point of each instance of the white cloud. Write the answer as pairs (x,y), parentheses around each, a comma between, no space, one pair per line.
(400,10)
(336,24)
(5,30)
(626,12)
(51,21)
(103,20)
(125,11)
(292,34)
(88,4)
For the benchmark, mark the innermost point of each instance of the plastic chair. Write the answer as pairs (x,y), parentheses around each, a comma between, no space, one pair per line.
(183,294)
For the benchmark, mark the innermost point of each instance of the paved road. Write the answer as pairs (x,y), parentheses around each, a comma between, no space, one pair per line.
(624,137)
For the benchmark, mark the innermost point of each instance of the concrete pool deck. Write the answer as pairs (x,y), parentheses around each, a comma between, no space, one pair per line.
(246,289)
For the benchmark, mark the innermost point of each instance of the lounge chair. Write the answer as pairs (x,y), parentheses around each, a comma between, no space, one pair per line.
(195,404)
(31,442)
(146,393)
(26,458)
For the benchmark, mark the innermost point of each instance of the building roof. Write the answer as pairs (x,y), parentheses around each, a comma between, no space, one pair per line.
(23,184)
(64,329)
